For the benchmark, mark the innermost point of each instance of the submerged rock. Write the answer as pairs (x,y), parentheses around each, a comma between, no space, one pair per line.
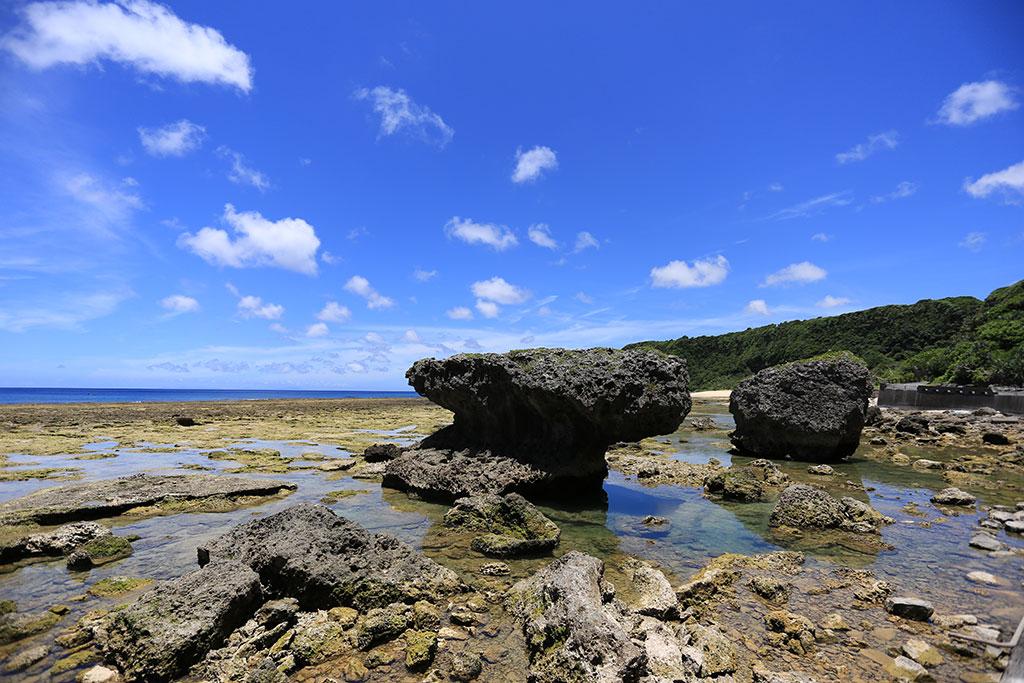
(811,410)
(60,541)
(512,525)
(111,497)
(171,627)
(537,419)
(99,551)
(802,506)
(573,631)
(747,483)
(323,560)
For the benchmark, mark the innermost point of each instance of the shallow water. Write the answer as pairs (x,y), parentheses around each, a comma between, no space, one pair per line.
(927,556)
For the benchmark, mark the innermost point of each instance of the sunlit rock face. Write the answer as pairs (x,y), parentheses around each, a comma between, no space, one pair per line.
(536,419)
(811,410)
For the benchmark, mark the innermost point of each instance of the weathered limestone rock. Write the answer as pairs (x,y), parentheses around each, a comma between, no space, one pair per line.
(99,551)
(953,496)
(324,560)
(747,483)
(110,497)
(811,410)
(802,506)
(60,541)
(538,419)
(573,630)
(654,594)
(171,627)
(512,525)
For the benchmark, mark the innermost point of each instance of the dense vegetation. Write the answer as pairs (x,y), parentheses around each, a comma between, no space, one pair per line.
(959,339)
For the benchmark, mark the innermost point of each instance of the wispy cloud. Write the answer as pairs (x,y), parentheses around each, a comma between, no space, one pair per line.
(176,304)
(701,273)
(67,310)
(974,241)
(241,173)
(360,286)
(289,243)
(584,240)
(812,207)
(173,140)
(540,234)
(533,163)
(1009,182)
(459,313)
(874,143)
(333,312)
(821,237)
(903,190)
(423,275)
(973,102)
(796,273)
(498,237)
(830,301)
(400,114)
(143,35)
(254,307)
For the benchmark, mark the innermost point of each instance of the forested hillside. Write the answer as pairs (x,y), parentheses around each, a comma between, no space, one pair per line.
(959,339)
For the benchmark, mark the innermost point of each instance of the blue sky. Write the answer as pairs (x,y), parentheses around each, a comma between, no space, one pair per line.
(199,195)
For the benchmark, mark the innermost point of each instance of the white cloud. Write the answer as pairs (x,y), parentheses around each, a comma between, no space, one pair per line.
(317,330)
(279,328)
(540,235)
(113,203)
(410,337)
(813,206)
(459,313)
(821,237)
(289,243)
(533,162)
(776,187)
(499,237)
(902,191)
(584,240)
(833,301)
(703,273)
(499,291)
(330,258)
(137,33)
(800,273)
(757,306)
(488,309)
(179,303)
(972,102)
(1009,181)
(584,298)
(400,114)
(974,241)
(359,285)
(333,312)
(421,275)
(253,307)
(875,143)
(241,173)
(173,140)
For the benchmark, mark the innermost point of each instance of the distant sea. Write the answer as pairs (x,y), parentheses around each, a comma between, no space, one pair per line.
(56,395)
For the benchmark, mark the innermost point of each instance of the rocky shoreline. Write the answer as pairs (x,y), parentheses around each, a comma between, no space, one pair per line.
(498,585)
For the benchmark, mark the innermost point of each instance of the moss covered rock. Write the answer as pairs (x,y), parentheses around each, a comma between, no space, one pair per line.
(420,648)
(512,524)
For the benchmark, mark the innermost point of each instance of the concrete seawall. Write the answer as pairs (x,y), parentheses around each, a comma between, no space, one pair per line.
(924,397)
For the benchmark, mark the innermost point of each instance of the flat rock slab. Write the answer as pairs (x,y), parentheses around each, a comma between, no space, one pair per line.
(812,410)
(60,541)
(511,525)
(323,560)
(111,497)
(164,632)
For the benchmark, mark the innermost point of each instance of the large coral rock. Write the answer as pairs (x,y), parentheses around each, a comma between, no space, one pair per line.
(60,541)
(511,526)
(811,410)
(573,629)
(747,483)
(171,627)
(309,553)
(801,506)
(543,418)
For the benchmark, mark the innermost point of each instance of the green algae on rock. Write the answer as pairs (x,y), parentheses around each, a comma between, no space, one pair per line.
(512,525)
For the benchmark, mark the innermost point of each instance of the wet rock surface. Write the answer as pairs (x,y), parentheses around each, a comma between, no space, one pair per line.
(60,541)
(111,497)
(812,410)
(545,417)
(802,506)
(311,554)
(512,525)
(748,483)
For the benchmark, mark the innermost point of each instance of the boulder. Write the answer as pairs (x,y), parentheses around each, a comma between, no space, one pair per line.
(802,506)
(165,631)
(909,608)
(572,627)
(540,419)
(653,592)
(111,497)
(323,560)
(747,483)
(915,424)
(381,452)
(61,541)
(953,496)
(811,410)
(995,438)
(512,526)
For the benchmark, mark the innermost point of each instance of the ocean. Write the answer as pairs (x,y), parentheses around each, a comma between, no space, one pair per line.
(60,395)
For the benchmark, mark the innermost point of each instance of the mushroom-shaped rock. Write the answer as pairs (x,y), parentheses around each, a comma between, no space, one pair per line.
(511,525)
(811,410)
(537,419)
